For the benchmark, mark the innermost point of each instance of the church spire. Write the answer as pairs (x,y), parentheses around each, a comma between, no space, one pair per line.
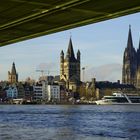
(70,51)
(129,42)
(13,76)
(13,71)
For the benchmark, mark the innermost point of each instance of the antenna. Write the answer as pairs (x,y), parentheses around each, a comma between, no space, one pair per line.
(83,69)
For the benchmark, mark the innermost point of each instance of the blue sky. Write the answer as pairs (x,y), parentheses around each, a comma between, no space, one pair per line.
(101,45)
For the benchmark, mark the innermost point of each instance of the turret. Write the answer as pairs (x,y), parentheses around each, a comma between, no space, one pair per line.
(61,63)
(62,56)
(78,55)
(67,57)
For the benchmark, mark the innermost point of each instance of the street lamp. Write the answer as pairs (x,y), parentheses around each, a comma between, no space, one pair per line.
(83,69)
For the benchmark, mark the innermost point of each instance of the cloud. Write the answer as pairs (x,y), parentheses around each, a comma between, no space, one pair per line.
(109,72)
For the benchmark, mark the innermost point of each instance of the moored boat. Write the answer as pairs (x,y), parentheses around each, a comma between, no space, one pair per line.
(118,98)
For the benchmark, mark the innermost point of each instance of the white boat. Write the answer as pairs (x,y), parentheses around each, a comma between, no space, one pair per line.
(119,98)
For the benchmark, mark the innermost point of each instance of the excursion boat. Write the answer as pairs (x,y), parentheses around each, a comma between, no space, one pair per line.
(119,98)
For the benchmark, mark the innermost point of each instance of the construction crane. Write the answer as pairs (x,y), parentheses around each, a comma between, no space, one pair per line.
(42,77)
(44,71)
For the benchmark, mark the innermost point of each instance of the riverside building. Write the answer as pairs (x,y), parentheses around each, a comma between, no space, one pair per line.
(53,93)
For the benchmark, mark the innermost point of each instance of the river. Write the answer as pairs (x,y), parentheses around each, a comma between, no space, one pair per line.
(69,122)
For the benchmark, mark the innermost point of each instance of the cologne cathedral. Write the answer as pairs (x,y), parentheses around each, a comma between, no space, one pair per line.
(131,63)
(70,68)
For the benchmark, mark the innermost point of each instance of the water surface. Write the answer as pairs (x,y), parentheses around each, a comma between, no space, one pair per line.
(69,122)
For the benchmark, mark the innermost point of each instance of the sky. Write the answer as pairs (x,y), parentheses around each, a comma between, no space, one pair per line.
(101,45)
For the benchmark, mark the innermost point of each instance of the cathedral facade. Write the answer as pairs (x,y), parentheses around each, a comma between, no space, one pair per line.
(13,76)
(131,63)
(70,68)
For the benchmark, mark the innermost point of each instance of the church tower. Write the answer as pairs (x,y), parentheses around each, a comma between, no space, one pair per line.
(129,62)
(70,68)
(13,76)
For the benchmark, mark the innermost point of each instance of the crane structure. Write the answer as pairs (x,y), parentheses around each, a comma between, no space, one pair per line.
(45,71)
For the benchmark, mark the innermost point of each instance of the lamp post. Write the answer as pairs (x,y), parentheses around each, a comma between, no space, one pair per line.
(83,69)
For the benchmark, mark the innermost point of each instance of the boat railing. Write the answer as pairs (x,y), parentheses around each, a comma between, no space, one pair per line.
(127,98)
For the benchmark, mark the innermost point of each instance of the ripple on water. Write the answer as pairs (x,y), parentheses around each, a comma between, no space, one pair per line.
(69,122)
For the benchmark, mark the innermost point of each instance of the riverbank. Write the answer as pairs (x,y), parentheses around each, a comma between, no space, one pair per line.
(60,103)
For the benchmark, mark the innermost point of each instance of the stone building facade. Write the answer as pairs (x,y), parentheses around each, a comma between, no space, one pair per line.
(131,63)
(13,76)
(70,68)
(98,89)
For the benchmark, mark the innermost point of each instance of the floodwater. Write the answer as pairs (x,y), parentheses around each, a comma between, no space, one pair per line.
(69,122)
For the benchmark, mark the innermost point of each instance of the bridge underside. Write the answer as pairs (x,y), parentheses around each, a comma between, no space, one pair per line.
(26,19)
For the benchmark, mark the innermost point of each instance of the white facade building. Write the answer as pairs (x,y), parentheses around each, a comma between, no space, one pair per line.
(37,92)
(12,92)
(46,92)
(53,93)
(40,91)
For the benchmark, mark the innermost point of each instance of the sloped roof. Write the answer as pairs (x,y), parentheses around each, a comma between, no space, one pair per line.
(13,70)
(70,52)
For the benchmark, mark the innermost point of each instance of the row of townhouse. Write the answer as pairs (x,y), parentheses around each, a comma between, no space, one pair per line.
(43,91)
(18,91)
(39,91)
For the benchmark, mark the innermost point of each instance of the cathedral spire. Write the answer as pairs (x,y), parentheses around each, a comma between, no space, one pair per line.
(129,42)
(70,51)
(138,54)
